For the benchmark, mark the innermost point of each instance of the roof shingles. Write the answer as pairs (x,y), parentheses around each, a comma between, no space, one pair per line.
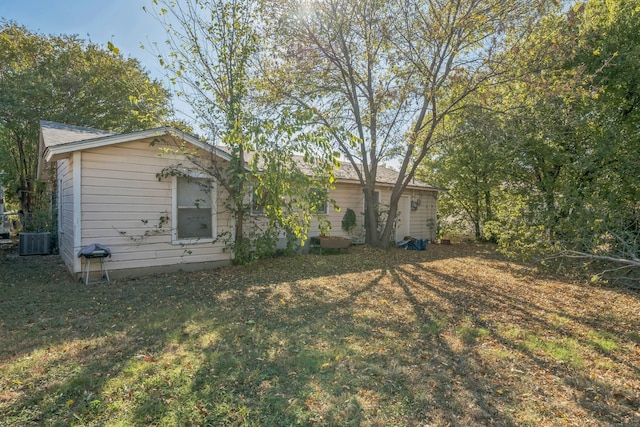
(59,133)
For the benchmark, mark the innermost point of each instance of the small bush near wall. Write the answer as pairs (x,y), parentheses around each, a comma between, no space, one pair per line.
(349,220)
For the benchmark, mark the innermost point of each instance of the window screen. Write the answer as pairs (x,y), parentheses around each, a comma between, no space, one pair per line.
(194,208)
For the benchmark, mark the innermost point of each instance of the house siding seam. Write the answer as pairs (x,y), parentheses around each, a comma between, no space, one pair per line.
(77,210)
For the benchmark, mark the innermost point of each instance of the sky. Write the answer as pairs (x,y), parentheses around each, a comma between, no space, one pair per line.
(121,22)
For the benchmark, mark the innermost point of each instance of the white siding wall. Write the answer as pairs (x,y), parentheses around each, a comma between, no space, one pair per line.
(124,203)
(66,230)
(423,219)
(348,195)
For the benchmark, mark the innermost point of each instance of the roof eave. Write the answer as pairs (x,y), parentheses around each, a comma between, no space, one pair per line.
(425,187)
(61,151)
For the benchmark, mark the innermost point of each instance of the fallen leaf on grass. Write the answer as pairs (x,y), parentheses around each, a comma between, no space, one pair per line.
(146,358)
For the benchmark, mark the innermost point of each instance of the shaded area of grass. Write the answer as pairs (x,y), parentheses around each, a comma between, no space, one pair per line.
(454,335)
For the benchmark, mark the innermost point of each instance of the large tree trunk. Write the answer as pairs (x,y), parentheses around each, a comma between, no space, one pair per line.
(239,202)
(385,238)
(371,216)
(477,217)
(25,172)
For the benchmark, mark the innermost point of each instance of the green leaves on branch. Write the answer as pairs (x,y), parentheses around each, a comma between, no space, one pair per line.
(65,79)
(384,76)
(278,156)
(561,132)
(292,170)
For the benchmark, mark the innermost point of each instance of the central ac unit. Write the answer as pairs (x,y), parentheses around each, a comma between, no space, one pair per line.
(35,243)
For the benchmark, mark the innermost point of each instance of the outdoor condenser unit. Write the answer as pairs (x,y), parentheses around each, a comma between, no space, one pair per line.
(35,243)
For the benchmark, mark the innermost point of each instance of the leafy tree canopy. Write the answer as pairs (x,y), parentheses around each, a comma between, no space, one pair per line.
(212,63)
(562,134)
(383,76)
(65,79)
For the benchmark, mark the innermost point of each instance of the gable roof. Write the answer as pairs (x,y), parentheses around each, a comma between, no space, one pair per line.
(58,140)
(59,133)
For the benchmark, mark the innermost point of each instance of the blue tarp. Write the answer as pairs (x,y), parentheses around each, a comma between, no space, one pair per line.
(413,245)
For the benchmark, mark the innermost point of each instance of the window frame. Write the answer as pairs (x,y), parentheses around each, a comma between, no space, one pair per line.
(174,206)
(256,209)
(324,204)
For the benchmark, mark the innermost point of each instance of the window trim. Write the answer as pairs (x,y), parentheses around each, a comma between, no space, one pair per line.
(174,207)
(324,211)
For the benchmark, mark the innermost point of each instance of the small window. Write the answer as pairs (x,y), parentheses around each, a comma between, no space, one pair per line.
(321,205)
(194,209)
(257,203)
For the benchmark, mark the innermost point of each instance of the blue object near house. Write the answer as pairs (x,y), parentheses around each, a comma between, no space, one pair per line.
(413,244)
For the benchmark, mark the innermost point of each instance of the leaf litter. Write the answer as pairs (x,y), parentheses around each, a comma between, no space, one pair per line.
(454,335)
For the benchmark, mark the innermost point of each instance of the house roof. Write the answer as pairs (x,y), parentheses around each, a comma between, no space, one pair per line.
(347,173)
(59,133)
(385,175)
(58,140)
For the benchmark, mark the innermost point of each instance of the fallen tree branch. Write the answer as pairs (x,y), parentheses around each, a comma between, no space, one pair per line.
(629,262)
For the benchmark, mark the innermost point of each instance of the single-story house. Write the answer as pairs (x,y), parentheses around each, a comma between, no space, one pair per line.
(108,191)
(417,209)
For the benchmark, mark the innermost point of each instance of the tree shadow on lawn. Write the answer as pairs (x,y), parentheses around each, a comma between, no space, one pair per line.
(68,349)
(252,351)
(504,329)
(333,340)
(311,359)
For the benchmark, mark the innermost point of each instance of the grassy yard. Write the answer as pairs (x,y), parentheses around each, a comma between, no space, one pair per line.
(454,335)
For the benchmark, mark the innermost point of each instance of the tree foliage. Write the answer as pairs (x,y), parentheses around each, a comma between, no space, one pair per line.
(563,134)
(469,163)
(64,79)
(213,45)
(383,76)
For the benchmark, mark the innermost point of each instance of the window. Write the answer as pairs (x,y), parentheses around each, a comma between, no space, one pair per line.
(321,205)
(194,209)
(257,202)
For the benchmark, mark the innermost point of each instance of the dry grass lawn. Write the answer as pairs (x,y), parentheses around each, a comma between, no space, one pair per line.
(454,335)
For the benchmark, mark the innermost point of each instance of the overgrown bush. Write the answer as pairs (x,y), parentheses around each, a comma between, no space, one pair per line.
(349,220)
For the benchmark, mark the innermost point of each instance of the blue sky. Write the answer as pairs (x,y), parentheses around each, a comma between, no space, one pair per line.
(122,22)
